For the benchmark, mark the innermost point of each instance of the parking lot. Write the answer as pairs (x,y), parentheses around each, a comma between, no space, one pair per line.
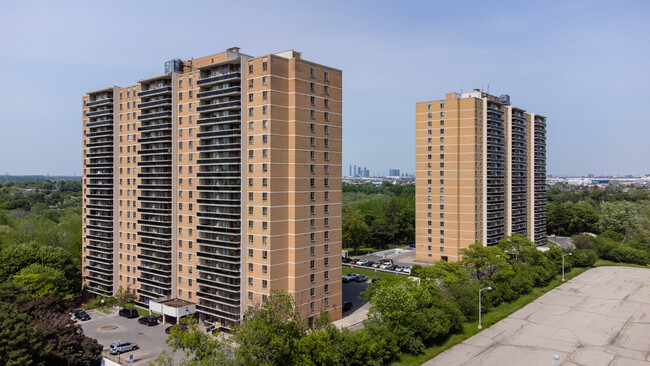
(150,339)
(597,318)
(352,292)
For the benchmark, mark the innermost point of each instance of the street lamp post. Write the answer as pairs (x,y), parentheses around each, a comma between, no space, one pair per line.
(563,265)
(480,326)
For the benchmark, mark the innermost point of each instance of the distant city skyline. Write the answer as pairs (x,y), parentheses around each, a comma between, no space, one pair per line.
(582,63)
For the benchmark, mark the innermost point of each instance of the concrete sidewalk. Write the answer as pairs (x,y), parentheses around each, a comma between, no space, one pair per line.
(601,317)
(355,320)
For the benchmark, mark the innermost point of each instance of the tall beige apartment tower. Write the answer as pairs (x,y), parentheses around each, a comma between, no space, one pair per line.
(215,183)
(480,174)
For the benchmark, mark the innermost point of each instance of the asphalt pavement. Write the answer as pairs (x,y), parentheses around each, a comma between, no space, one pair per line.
(150,339)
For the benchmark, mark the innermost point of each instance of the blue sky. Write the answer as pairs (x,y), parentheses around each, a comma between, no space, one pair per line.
(583,64)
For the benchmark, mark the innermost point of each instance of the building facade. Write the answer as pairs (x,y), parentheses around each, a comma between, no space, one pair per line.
(216,183)
(480,174)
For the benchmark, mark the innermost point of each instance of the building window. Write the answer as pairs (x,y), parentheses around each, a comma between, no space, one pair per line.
(265,80)
(312,278)
(312,87)
(312,113)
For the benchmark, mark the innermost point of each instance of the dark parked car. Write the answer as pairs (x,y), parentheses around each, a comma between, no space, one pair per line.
(368,264)
(361,278)
(119,347)
(392,268)
(129,313)
(82,315)
(181,327)
(346,259)
(148,320)
(347,305)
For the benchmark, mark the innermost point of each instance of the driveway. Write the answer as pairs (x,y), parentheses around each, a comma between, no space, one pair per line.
(601,317)
(150,339)
(352,292)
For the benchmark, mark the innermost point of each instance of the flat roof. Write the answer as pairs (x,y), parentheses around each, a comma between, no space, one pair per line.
(101,90)
(163,76)
(176,303)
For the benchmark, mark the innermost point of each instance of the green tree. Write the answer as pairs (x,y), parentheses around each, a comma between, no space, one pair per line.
(485,261)
(270,334)
(355,230)
(123,297)
(620,217)
(42,280)
(199,348)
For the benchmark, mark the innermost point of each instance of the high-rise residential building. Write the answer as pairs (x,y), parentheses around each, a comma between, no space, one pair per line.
(393,173)
(480,174)
(215,183)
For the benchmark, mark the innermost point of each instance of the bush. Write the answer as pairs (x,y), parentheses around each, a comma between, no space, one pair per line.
(584,257)
(584,242)
(625,254)
(97,302)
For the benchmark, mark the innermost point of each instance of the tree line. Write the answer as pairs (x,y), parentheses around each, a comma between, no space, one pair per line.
(40,275)
(378,216)
(405,316)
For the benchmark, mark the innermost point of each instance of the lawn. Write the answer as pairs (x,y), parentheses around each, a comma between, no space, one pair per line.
(366,251)
(603,262)
(141,311)
(370,273)
(496,313)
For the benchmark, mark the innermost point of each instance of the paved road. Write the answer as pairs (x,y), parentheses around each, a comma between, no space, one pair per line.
(352,292)
(601,317)
(150,339)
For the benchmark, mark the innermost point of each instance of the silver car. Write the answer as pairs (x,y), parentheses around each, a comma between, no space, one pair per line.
(119,347)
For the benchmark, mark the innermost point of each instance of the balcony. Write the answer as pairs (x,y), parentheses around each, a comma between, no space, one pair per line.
(103,112)
(155,103)
(152,92)
(218,106)
(220,92)
(101,102)
(148,116)
(216,79)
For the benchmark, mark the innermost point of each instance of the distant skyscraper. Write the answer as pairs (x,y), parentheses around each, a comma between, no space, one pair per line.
(480,174)
(393,173)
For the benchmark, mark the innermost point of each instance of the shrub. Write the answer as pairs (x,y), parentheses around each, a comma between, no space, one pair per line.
(584,241)
(584,257)
(625,254)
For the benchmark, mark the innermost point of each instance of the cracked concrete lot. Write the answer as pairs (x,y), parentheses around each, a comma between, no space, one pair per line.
(601,317)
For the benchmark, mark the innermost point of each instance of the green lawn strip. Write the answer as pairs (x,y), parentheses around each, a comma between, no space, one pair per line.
(366,251)
(496,314)
(368,272)
(603,263)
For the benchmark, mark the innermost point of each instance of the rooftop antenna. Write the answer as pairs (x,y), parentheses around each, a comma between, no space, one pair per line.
(461,86)
(488,90)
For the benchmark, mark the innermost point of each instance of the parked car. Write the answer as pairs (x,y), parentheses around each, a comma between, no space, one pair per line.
(391,267)
(82,315)
(345,259)
(181,327)
(375,280)
(376,265)
(368,264)
(412,245)
(362,262)
(119,347)
(361,278)
(389,261)
(399,269)
(148,320)
(347,305)
(385,265)
(353,261)
(407,270)
(348,278)
(129,313)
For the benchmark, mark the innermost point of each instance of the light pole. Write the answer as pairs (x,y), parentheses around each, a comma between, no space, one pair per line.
(563,265)
(555,358)
(480,326)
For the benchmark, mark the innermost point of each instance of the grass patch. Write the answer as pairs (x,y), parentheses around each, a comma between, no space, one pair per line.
(604,263)
(104,310)
(496,314)
(370,273)
(366,251)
